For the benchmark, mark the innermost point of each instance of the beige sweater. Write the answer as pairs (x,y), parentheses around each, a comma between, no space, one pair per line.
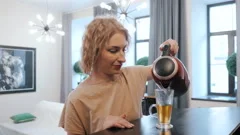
(88,105)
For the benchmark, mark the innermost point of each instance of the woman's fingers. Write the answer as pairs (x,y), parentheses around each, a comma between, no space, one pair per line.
(173,46)
(125,123)
(117,121)
(171,42)
(118,125)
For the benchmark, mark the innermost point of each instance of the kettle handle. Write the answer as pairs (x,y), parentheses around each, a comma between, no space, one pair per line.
(166,50)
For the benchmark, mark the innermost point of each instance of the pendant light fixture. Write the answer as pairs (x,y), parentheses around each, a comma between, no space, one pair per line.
(124,11)
(46,28)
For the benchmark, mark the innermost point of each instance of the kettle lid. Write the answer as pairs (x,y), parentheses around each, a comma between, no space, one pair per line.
(165,68)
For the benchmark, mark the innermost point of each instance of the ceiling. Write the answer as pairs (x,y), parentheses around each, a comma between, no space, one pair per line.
(67,6)
(64,6)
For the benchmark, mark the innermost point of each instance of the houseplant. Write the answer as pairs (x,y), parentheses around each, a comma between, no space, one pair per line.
(77,69)
(142,61)
(231,64)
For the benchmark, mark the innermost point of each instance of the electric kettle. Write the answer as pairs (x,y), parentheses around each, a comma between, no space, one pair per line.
(169,71)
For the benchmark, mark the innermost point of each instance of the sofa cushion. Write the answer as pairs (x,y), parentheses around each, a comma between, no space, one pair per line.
(48,112)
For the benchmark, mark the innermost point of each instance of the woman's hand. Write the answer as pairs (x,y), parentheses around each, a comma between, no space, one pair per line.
(173,46)
(117,121)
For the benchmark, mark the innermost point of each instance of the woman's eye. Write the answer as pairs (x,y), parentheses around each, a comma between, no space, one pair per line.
(112,50)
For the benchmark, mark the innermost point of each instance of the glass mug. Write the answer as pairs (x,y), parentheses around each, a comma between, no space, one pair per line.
(165,132)
(164,101)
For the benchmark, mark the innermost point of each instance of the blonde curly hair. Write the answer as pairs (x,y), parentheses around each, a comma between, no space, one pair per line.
(96,37)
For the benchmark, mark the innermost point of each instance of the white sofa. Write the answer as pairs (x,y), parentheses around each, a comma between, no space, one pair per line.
(48,115)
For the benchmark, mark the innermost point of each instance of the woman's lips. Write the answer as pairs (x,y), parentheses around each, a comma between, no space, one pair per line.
(117,67)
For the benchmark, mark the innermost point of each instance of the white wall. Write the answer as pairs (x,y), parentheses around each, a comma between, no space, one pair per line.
(238,50)
(199,48)
(83,13)
(198,53)
(14,31)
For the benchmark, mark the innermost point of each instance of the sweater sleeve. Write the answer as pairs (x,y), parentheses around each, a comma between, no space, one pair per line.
(72,120)
(136,77)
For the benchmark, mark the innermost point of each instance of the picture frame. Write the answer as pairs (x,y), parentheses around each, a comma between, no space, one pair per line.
(17,69)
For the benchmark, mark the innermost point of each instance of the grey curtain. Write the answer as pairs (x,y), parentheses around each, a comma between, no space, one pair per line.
(168,20)
(66,74)
(238,50)
(98,11)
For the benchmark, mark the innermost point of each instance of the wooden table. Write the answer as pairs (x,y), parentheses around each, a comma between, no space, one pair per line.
(191,121)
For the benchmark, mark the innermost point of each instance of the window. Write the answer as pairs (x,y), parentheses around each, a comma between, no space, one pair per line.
(142,25)
(221,44)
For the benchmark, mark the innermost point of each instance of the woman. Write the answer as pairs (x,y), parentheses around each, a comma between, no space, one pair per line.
(111,96)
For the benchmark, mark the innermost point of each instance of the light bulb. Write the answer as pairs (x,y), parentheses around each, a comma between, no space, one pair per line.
(122,17)
(108,7)
(52,40)
(116,2)
(50,18)
(105,6)
(39,17)
(39,39)
(62,33)
(44,33)
(59,26)
(31,23)
(123,3)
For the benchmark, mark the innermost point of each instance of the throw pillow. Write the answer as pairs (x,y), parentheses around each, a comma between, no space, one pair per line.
(23,117)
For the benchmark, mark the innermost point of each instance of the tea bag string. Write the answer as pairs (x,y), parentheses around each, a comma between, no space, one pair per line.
(160,86)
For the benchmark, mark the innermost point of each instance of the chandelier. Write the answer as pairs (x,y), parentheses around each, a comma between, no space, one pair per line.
(124,11)
(46,28)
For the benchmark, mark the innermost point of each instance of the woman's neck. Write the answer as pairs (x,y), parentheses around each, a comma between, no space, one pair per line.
(98,78)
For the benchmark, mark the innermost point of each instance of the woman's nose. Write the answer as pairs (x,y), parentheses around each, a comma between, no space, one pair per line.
(122,57)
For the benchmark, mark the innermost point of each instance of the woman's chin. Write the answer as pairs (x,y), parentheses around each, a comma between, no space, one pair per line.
(117,71)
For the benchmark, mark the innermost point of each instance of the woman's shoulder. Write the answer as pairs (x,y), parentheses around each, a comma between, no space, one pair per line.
(136,68)
(85,91)
(88,95)
(78,92)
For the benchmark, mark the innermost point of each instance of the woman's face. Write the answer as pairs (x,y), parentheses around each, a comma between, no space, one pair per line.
(113,55)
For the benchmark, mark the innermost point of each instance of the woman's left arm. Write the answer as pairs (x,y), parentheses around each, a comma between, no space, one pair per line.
(173,49)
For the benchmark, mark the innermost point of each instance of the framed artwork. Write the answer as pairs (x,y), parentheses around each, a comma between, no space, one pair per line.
(17,69)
